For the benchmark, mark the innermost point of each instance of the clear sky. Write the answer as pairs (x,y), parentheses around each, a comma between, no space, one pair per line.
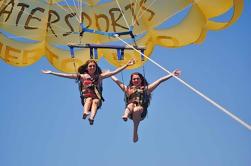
(41,125)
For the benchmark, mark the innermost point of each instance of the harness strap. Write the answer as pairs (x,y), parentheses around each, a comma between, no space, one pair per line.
(96,53)
(91,53)
(99,95)
(95,88)
(143,97)
(120,54)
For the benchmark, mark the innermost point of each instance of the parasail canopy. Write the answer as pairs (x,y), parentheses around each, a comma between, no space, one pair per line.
(31,29)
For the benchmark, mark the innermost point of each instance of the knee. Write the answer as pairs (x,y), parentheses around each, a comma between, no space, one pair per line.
(130,106)
(137,114)
(88,100)
(138,109)
(96,102)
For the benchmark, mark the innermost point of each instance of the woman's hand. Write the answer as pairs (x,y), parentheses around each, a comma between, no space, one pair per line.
(177,72)
(131,62)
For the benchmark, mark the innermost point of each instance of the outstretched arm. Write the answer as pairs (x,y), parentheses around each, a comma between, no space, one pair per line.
(111,73)
(72,76)
(156,83)
(119,83)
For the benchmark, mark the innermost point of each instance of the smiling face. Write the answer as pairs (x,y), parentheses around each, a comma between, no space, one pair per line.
(91,68)
(136,80)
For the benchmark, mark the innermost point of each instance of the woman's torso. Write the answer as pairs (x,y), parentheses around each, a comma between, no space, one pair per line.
(136,94)
(89,85)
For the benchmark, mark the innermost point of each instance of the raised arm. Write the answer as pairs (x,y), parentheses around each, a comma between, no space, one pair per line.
(65,75)
(156,83)
(119,83)
(111,73)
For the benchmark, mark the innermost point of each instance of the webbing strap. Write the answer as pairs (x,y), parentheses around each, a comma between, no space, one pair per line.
(142,57)
(95,53)
(120,54)
(109,34)
(91,53)
(72,51)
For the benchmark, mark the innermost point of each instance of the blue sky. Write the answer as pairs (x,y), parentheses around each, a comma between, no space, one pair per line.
(41,125)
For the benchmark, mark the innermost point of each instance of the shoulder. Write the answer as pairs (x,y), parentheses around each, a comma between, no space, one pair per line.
(85,76)
(130,88)
(104,74)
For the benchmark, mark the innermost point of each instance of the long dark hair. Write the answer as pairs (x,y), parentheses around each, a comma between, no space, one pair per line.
(143,80)
(83,68)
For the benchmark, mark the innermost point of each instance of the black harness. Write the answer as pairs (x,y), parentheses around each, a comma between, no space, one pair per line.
(139,97)
(94,86)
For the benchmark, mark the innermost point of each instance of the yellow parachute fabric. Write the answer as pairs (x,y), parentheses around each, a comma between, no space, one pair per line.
(53,23)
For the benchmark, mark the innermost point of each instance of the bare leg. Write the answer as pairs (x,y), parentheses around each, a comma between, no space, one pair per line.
(128,111)
(87,106)
(95,103)
(136,117)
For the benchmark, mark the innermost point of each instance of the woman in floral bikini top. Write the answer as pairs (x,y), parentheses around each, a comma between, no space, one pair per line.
(90,77)
(138,95)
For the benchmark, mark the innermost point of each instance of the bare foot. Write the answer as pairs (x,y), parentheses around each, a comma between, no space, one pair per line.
(124,118)
(85,115)
(135,137)
(91,121)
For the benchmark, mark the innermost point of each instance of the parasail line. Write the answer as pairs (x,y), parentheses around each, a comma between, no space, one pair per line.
(77,9)
(81,9)
(133,20)
(66,10)
(83,2)
(132,15)
(143,11)
(122,14)
(236,118)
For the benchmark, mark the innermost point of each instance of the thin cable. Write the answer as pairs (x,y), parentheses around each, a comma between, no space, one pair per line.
(123,14)
(81,9)
(236,118)
(69,8)
(124,88)
(80,3)
(74,64)
(132,15)
(134,9)
(143,11)
(77,8)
